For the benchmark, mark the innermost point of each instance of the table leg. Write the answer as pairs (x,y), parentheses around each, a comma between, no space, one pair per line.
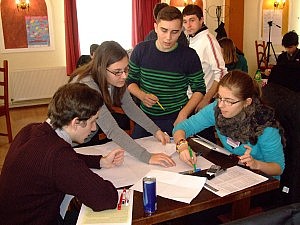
(240,208)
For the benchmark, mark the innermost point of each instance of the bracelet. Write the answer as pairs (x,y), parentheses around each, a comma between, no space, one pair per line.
(180,143)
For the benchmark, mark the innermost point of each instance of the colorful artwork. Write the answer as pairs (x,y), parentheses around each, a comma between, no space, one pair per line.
(37,28)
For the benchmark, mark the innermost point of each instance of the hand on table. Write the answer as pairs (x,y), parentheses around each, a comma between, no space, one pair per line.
(162,160)
(162,137)
(114,158)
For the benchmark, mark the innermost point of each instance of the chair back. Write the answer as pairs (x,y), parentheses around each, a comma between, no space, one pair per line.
(261,55)
(4,103)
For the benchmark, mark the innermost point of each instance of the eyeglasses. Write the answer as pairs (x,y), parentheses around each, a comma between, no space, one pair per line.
(119,73)
(226,101)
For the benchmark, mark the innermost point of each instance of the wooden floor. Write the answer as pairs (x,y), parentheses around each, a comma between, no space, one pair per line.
(20,117)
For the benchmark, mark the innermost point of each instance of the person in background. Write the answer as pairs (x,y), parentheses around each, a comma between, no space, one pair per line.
(290,42)
(152,34)
(207,48)
(107,73)
(161,71)
(84,59)
(233,60)
(245,126)
(209,52)
(286,71)
(41,166)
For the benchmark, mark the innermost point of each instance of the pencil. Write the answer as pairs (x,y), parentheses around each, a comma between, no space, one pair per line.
(160,105)
(191,154)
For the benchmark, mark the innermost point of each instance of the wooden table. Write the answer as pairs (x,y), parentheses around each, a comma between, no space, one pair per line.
(170,209)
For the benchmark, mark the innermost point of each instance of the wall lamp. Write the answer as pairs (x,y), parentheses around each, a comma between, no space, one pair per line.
(182,3)
(279,4)
(22,4)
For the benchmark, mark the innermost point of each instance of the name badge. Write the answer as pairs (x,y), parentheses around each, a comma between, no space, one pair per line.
(233,143)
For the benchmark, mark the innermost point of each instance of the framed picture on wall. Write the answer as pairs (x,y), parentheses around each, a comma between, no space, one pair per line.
(26,29)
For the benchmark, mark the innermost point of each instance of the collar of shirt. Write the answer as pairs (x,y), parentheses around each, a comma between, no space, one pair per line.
(61,133)
(204,27)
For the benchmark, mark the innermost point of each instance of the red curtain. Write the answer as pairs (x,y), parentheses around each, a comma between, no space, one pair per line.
(142,19)
(72,37)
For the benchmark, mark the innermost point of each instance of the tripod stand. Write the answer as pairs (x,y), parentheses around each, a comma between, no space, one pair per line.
(267,49)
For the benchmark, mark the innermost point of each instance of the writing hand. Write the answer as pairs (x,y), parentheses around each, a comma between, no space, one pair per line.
(185,156)
(114,158)
(162,160)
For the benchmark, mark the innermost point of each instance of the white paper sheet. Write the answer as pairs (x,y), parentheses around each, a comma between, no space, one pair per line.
(234,179)
(132,169)
(183,188)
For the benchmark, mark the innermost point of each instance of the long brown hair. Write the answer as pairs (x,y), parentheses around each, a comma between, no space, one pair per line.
(107,53)
(229,50)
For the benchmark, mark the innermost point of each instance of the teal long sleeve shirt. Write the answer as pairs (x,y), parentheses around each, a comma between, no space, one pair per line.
(267,149)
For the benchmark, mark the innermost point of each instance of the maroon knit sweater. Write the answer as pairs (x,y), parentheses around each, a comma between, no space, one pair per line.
(39,169)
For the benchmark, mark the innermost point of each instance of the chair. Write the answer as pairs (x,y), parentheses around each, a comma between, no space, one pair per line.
(261,56)
(4,103)
(123,121)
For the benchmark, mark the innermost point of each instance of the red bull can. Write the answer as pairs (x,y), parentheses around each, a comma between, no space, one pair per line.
(149,195)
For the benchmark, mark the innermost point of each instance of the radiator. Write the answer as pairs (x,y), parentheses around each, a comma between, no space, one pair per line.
(35,84)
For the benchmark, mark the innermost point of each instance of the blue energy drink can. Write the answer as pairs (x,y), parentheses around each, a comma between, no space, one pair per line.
(149,195)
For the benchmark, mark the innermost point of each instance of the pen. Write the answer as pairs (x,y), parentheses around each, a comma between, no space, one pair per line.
(121,199)
(160,105)
(191,154)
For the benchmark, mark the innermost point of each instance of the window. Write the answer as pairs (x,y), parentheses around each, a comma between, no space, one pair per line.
(100,21)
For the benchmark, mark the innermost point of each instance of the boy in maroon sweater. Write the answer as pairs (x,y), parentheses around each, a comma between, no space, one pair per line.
(41,165)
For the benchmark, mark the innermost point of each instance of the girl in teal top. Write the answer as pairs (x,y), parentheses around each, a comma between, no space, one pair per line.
(244,125)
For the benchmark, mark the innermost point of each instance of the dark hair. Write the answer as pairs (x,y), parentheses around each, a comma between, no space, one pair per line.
(93,48)
(193,10)
(106,54)
(290,39)
(229,50)
(73,100)
(169,13)
(157,8)
(241,84)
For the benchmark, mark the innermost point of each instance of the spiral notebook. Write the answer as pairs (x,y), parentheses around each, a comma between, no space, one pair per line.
(121,216)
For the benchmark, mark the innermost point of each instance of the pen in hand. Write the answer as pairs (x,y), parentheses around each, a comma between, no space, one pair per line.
(158,103)
(191,154)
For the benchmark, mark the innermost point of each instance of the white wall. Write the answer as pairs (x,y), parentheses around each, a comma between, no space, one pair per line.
(252,25)
(42,59)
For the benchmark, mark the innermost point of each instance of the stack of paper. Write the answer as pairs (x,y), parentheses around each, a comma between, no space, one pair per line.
(111,216)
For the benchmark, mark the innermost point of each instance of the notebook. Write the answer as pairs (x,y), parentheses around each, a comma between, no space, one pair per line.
(121,216)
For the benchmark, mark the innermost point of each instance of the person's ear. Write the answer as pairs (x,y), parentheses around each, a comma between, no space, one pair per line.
(248,102)
(74,123)
(155,27)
